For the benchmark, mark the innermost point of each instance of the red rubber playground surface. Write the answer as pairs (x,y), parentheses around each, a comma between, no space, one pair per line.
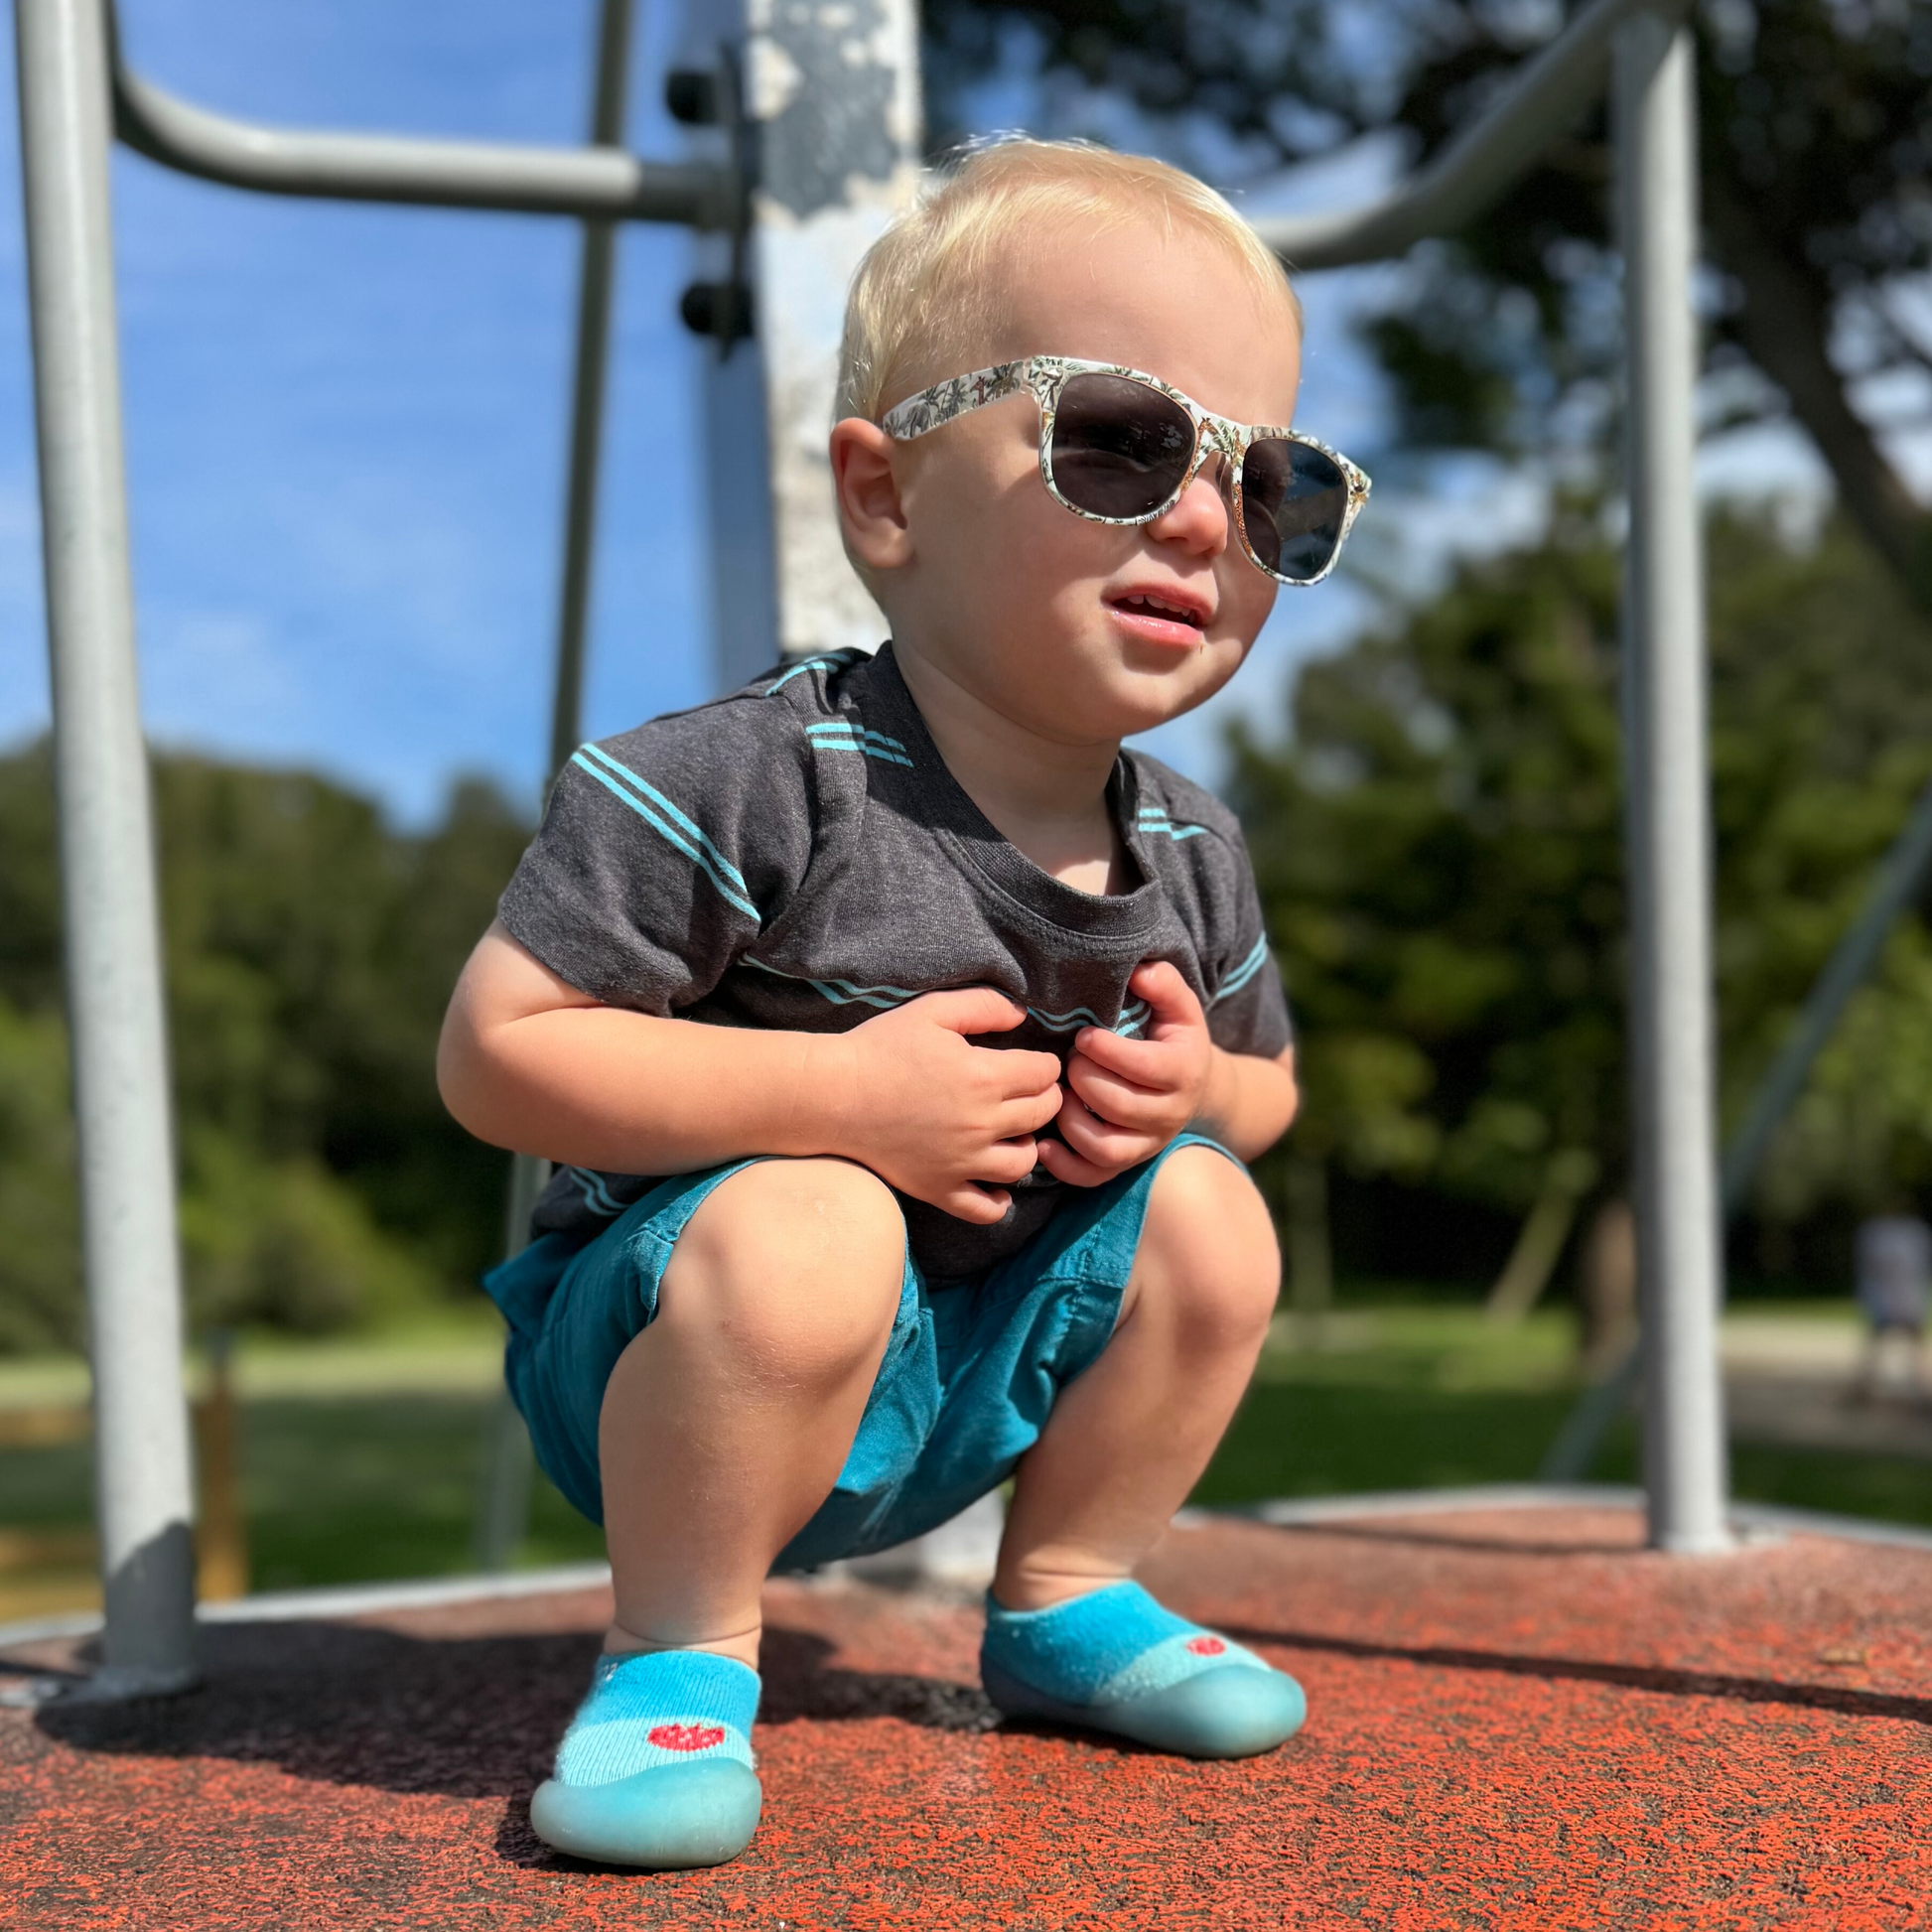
(1519,1719)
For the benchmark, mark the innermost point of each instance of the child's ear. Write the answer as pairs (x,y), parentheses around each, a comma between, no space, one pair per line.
(870,508)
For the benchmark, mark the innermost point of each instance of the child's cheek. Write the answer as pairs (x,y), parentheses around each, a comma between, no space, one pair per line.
(1247,596)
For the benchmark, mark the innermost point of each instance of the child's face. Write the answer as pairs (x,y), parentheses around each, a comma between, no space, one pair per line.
(1033,609)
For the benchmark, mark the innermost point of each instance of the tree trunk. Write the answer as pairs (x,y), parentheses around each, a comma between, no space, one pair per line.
(1534,1258)
(221,1535)
(1608,1286)
(1786,325)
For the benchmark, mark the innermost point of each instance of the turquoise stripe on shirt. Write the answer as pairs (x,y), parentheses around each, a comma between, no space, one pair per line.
(1243,973)
(669,825)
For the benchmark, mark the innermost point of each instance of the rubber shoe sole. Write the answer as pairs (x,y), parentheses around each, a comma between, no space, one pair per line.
(1231,1711)
(671,1817)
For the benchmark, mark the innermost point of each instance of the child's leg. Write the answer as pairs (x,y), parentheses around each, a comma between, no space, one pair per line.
(1129,1438)
(726,1421)
(722,1427)
(1070,1635)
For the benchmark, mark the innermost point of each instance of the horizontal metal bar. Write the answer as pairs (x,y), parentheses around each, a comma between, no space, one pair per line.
(592,181)
(1481,163)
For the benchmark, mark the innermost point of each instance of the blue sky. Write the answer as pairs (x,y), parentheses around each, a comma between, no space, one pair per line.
(346,425)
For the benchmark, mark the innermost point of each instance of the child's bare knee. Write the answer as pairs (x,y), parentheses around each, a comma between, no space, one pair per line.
(795,1265)
(1208,1252)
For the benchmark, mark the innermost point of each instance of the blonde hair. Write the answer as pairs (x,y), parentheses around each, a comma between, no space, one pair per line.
(923,291)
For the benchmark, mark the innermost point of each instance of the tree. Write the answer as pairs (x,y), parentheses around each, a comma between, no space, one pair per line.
(1815,139)
(39,1258)
(1437,842)
(310,948)
(1438,849)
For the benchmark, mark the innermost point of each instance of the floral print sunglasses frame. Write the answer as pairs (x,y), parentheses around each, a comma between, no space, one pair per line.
(1045,377)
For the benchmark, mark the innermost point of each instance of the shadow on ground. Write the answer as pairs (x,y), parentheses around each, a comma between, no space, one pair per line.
(1634,1677)
(464,1718)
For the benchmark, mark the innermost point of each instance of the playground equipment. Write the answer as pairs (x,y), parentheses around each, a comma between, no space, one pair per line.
(804,141)
(1894,885)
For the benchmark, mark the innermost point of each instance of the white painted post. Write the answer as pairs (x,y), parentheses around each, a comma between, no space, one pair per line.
(142,1481)
(1667,809)
(831,89)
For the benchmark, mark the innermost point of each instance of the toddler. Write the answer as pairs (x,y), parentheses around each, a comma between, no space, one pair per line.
(904,1038)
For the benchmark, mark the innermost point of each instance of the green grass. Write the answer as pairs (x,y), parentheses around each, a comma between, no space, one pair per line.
(398,1497)
(339,1489)
(1411,1398)
(1892,1488)
(344,1487)
(1435,1397)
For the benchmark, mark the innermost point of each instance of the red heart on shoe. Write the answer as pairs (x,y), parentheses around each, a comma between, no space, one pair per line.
(686,1737)
(1204,1646)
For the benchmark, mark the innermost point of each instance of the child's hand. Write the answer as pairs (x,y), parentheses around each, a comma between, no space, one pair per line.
(1126,1099)
(930,1114)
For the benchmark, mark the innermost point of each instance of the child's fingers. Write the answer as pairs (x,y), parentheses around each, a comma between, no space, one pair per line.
(1121,1102)
(1005,1161)
(1102,1142)
(1147,1062)
(1026,1115)
(1075,1170)
(1161,985)
(971,1009)
(983,1207)
(1022,1072)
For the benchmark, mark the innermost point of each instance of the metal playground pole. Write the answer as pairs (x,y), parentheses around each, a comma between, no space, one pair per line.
(1667,797)
(503,1498)
(144,1490)
(1666,764)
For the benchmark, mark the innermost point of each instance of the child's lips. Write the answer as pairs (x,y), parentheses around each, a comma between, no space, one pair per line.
(1179,624)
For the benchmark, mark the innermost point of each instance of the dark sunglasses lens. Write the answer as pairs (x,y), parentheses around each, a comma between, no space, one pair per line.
(1293,503)
(1120,449)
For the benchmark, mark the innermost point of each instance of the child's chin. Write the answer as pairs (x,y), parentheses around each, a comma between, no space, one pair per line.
(1165,683)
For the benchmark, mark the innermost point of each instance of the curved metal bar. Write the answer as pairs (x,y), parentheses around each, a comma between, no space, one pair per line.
(1901,875)
(1481,163)
(589,181)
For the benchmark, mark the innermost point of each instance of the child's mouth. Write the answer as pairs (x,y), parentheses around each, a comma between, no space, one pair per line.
(1157,620)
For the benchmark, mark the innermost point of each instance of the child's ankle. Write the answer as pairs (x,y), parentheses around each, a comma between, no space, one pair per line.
(741,1646)
(1031,1588)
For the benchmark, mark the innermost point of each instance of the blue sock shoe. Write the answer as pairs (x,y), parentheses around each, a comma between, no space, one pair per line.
(1115,1660)
(655,1770)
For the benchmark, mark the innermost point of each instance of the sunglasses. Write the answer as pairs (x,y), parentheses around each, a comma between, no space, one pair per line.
(1117,446)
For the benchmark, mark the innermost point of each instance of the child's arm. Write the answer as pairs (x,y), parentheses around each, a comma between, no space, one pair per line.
(1128,1098)
(1250,1102)
(526,1061)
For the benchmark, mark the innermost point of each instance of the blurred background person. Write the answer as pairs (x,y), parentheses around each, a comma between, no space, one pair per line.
(1895,1293)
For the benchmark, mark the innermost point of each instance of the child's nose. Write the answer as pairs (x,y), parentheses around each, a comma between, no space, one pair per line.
(1198,520)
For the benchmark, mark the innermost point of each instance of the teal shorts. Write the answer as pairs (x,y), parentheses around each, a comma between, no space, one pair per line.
(971,1372)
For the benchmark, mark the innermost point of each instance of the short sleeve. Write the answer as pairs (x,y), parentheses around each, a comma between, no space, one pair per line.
(1247,1008)
(665,853)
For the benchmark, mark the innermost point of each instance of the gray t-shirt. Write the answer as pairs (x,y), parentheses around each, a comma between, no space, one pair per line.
(797,856)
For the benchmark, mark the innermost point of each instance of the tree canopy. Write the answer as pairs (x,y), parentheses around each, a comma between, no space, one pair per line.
(310,949)
(1437,842)
(1816,151)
